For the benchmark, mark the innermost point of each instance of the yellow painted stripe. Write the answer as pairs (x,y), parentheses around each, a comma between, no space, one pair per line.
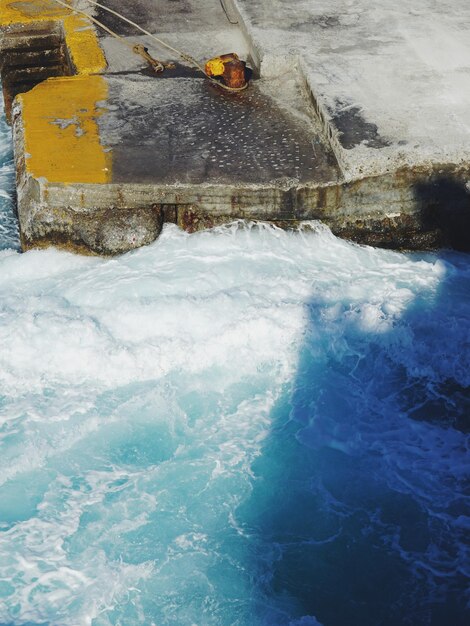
(80,35)
(82,43)
(61,134)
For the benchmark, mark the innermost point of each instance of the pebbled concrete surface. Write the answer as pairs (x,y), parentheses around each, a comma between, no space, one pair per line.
(185,131)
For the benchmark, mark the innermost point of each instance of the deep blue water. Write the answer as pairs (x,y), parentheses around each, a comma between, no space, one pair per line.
(243,426)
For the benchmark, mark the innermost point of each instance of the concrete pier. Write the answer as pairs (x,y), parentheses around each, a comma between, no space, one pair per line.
(356,115)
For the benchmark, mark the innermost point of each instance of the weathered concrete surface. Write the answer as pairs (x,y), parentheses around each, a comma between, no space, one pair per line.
(391,78)
(356,121)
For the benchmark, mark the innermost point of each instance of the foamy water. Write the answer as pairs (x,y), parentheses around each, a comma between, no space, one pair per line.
(242,426)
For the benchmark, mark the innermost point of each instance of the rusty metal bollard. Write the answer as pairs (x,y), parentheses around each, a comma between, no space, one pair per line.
(230,69)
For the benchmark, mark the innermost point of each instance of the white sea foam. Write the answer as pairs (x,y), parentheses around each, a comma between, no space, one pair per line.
(187,343)
(148,401)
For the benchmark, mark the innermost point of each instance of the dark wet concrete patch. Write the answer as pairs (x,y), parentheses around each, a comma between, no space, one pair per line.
(189,131)
(354,129)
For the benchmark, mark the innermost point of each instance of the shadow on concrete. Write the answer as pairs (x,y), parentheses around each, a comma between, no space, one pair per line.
(357,512)
(444,204)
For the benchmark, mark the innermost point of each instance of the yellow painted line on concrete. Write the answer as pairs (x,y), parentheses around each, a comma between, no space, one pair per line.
(80,36)
(61,134)
(82,43)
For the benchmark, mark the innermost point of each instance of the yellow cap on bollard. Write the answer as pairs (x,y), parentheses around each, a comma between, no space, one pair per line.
(230,69)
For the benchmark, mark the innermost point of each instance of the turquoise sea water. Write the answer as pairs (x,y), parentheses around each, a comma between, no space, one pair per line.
(242,426)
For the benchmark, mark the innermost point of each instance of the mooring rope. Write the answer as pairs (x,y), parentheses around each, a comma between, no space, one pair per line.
(138,48)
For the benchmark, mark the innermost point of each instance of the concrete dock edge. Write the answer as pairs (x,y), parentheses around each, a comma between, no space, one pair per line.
(106,154)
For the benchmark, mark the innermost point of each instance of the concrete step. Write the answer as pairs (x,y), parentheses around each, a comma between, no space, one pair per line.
(37,39)
(26,58)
